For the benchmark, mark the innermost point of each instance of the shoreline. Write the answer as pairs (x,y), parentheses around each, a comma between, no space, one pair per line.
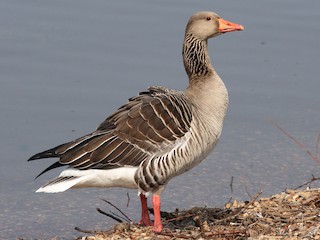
(292,214)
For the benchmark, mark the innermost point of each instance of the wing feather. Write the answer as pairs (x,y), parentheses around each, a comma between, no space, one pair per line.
(145,126)
(106,149)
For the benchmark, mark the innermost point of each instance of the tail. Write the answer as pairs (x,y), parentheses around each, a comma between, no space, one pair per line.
(60,184)
(73,178)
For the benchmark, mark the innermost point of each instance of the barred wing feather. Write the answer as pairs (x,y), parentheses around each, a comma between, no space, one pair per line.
(148,125)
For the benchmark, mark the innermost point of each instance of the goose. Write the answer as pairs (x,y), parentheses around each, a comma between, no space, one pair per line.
(156,135)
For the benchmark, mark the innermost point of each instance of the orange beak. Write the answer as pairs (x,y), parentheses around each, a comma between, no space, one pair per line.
(226,26)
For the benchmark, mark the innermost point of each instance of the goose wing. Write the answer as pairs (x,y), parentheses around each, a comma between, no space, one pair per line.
(147,125)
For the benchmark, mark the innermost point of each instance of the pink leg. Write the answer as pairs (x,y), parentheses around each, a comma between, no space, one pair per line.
(145,217)
(157,227)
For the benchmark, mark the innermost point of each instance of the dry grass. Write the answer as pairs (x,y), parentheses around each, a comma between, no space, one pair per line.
(294,214)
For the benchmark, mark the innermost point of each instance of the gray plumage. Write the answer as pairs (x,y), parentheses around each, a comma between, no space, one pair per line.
(156,135)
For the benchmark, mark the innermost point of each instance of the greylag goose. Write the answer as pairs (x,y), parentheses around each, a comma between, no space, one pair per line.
(156,135)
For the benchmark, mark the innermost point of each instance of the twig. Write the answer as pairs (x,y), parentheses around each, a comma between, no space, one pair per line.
(315,156)
(91,231)
(231,185)
(120,217)
(227,233)
(229,201)
(174,235)
(313,179)
(241,210)
(128,199)
(117,209)
(109,215)
(179,217)
(246,187)
(253,199)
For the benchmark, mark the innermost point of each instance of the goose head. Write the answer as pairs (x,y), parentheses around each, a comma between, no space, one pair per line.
(204,25)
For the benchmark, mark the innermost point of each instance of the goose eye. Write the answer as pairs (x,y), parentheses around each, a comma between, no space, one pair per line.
(208,18)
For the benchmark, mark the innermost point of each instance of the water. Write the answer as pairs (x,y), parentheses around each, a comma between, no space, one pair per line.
(66,65)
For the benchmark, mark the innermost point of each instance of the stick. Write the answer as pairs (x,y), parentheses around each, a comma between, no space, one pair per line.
(242,210)
(227,233)
(174,235)
(120,217)
(91,231)
(301,145)
(128,197)
(309,182)
(109,215)
(231,185)
(117,209)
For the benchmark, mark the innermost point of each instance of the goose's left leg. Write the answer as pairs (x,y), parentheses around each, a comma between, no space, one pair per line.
(157,226)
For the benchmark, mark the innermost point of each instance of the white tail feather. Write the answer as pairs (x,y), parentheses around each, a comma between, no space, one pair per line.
(74,178)
(60,186)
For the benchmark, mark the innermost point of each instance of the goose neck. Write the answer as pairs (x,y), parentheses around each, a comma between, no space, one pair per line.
(195,58)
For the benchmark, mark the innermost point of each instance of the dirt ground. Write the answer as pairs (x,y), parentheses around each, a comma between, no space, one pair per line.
(294,214)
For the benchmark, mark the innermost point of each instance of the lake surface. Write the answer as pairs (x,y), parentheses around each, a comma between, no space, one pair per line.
(66,65)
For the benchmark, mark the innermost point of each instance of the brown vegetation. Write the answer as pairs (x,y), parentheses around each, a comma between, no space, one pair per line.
(293,214)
